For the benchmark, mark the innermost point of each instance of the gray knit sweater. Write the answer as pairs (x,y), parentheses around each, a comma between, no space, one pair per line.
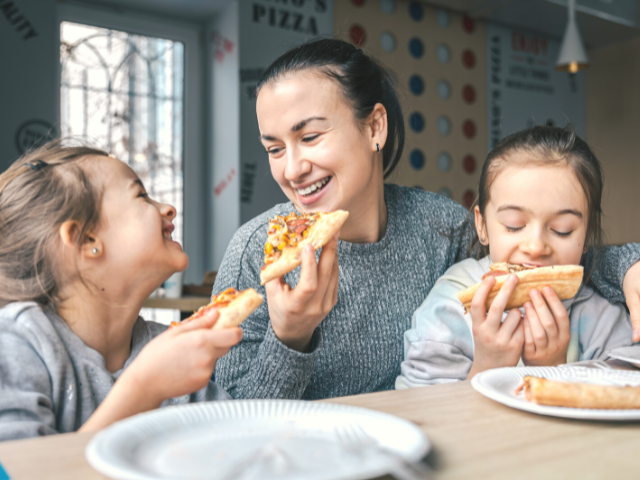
(358,347)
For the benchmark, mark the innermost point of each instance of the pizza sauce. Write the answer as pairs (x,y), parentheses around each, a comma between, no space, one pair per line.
(499,269)
(223,299)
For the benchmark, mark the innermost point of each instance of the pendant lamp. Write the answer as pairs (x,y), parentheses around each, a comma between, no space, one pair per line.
(573,56)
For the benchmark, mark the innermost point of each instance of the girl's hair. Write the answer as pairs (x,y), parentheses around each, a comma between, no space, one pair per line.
(42,189)
(549,146)
(364,83)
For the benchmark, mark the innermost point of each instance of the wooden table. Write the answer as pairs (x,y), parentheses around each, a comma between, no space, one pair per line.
(472,436)
(184,304)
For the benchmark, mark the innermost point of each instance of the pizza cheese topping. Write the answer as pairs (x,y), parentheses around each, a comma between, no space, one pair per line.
(223,299)
(286,232)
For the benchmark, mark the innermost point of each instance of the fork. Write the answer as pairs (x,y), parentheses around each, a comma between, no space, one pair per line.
(355,440)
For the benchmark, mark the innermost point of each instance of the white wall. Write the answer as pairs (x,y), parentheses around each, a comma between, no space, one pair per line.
(29,41)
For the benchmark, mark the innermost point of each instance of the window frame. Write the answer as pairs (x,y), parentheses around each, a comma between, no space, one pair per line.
(193,158)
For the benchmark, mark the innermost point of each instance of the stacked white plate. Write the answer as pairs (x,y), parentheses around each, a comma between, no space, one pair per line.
(500,384)
(220,440)
(627,354)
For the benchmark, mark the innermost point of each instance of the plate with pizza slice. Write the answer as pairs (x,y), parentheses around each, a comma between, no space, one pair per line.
(288,235)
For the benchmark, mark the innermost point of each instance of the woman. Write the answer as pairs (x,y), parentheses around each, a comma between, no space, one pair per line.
(332,126)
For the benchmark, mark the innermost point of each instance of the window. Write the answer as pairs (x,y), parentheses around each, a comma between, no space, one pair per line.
(125,92)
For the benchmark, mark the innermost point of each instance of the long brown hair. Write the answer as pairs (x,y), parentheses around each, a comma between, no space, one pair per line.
(549,146)
(38,192)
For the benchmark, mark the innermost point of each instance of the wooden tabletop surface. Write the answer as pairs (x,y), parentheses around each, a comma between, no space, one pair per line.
(472,437)
(184,304)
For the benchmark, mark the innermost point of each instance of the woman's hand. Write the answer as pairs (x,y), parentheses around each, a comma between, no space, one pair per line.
(177,362)
(496,343)
(295,313)
(546,329)
(631,288)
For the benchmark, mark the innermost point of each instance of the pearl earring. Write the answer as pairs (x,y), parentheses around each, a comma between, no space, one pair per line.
(94,251)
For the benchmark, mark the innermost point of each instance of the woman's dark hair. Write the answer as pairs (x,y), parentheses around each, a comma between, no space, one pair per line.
(41,190)
(363,80)
(550,146)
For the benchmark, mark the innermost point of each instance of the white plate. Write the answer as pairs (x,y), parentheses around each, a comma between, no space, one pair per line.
(210,440)
(500,384)
(627,354)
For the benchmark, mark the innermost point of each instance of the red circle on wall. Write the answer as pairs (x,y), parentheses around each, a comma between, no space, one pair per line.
(469,164)
(357,35)
(468,59)
(358,3)
(469,129)
(468,198)
(469,94)
(467,23)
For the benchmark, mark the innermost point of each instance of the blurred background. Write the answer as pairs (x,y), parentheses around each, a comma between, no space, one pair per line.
(166,86)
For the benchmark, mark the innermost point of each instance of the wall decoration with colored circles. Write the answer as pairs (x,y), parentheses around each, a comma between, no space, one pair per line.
(438,60)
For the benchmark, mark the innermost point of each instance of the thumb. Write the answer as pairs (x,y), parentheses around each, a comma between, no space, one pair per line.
(207,320)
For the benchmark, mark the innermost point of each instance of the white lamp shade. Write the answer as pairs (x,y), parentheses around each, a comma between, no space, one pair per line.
(572,53)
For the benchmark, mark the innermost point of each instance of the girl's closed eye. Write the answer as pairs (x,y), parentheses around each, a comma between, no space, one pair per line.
(310,138)
(563,234)
(513,229)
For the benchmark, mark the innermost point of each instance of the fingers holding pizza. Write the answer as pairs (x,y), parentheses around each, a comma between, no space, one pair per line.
(296,313)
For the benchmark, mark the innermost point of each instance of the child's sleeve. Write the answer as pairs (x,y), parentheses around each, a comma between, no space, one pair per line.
(602,327)
(26,408)
(439,346)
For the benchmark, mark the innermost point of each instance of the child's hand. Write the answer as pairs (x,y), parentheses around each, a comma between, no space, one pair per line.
(546,329)
(181,360)
(496,343)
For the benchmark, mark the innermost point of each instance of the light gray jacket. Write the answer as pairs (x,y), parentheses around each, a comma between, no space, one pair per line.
(51,381)
(439,346)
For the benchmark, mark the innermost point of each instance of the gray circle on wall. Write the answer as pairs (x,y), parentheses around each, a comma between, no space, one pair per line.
(388,6)
(443,18)
(445,192)
(387,42)
(443,53)
(33,133)
(444,125)
(444,161)
(444,89)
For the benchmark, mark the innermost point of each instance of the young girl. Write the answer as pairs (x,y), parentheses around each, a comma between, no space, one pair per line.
(81,247)
(539,203)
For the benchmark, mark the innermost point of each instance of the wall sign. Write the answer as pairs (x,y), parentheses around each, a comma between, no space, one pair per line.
(524,88)
(18,20)
(33,133)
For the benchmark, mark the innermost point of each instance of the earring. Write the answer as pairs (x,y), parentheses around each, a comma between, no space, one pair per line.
(378,148)
(482,240)
(94,251)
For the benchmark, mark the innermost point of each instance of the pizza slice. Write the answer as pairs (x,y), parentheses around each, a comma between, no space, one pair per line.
(287,237)
(565,280)
(234,307)
(579,395)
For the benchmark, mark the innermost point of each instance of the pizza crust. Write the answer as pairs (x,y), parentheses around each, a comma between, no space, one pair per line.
(579,395)
(565,280)
(320,233)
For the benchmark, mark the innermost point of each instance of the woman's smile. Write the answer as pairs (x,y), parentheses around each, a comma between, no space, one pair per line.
(310,193)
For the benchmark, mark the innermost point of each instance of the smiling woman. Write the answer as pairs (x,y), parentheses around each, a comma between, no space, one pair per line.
(332,126)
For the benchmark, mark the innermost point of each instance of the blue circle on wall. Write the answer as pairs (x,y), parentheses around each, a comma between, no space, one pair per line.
(416,12)
(416,122)
(416,48)
(417,159)
(416,84)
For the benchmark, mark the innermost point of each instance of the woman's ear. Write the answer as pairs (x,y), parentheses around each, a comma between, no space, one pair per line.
(69,232)
(481,228)
(379,127)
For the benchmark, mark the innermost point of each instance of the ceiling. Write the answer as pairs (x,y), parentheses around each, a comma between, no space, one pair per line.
(601,22)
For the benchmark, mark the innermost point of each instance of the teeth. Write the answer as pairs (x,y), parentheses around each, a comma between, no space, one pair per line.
(313,187)
(167,235)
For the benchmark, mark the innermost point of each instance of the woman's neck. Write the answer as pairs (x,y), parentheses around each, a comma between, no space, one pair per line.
(367,222)
(102,323)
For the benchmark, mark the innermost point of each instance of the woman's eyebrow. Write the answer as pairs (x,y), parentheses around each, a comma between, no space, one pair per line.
(135,182)
(296,128)
(513,207)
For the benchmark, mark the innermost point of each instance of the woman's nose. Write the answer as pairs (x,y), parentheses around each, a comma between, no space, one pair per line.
(296,166)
